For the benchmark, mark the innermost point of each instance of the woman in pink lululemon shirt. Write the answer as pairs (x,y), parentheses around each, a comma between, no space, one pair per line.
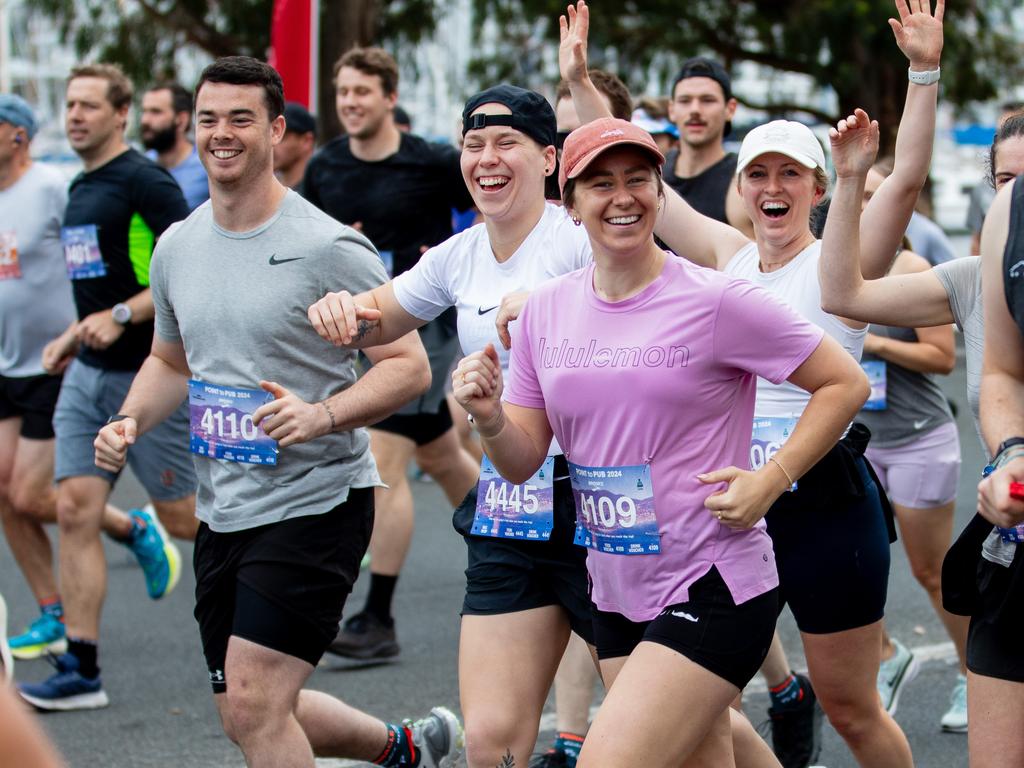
(644,367)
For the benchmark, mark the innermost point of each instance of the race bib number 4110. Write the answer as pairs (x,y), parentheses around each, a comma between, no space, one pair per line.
(221,424)
(615,509)
(508,511)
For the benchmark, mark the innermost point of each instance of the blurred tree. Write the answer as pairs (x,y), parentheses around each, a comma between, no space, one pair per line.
(845,44)
(143,35)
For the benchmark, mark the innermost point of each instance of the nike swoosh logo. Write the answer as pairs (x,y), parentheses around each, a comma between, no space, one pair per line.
(921,423)
(482,311)
(274,261)
(684,615)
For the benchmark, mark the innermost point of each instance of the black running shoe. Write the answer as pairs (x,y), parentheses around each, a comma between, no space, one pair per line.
(796,730)
(553,758)
(365,637)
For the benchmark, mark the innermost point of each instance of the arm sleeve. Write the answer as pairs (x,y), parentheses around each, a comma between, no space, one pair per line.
(756,332)
(165,319)
(522,386)
(423,291)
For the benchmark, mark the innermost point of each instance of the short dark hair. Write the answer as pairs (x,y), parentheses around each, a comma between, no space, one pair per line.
(1011,127)
(245,70)
(119,87)
(371,61)
(610,86)
(181,99)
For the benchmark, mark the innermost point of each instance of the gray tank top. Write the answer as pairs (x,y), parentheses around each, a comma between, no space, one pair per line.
(915,404)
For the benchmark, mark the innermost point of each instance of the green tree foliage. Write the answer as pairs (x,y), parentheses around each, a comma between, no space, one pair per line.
(845,44)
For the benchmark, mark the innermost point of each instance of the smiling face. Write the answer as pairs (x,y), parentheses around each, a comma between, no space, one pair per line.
(235,136)
(363,106)
(91,121)
(617,198)
(503,168)
(700,111)
(778,194)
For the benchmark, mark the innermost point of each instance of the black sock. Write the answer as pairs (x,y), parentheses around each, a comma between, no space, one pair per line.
(85,652)
(378,602)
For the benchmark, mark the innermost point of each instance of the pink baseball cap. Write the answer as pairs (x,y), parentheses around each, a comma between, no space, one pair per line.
(589,141)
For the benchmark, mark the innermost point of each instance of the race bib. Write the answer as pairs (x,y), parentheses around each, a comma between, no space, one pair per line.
(221,425)
(82,252)
(508,511)
(769,434)
(875,369)
(9,267)
(615,509)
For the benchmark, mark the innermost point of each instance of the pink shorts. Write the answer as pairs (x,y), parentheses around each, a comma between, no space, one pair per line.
(923,473)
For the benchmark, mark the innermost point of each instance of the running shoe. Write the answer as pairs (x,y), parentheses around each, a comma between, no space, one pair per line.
(553,758)
(157,554)
(66,689)
(796,729)
(44,635)
(437,738)
(894,674)
(5,649)
(955,719)
(365,637)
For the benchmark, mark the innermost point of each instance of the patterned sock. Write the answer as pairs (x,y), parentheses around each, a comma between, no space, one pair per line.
(52,606)
(788,693)
(569,744)
(86,652)
(399,750)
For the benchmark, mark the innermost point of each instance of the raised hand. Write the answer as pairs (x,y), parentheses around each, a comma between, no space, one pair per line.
(477,386)
(854,144)
(919,33)
(573,29)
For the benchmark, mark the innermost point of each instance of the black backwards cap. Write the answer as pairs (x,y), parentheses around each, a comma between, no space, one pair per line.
(701,66)
(531,113)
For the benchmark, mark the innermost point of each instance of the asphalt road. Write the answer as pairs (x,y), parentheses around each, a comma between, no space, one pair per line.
(162,715)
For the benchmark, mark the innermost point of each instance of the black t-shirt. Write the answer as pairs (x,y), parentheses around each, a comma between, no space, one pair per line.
(705,192)
(121,207)
(1013,256)
(403,202)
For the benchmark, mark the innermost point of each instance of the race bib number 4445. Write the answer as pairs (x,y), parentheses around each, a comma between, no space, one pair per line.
(82,252)
(615,509)
(508,511)
(221,424)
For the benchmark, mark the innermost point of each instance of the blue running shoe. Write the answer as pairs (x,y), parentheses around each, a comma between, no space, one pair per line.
(66,689)
(44,635)
(156,553)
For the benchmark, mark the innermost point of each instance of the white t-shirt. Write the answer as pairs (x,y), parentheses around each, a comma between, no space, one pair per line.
(462,272)
(797,285)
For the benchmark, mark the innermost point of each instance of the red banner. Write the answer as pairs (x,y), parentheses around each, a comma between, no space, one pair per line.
(294,48)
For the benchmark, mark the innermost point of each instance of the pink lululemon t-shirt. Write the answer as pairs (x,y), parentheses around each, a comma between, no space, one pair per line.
(665,378)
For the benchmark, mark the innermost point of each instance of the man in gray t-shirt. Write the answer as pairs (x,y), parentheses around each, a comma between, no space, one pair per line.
(284,470)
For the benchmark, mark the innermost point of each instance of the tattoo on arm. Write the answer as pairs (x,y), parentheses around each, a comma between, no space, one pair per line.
(364,327)
(507,761)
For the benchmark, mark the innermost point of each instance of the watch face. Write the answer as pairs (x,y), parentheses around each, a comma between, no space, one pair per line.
(121,313)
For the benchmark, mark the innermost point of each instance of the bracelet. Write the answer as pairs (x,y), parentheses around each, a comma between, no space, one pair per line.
(1007,456)
(327,408)
(924,78)
(778,464)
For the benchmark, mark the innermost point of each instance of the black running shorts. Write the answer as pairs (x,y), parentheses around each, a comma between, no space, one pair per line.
(281,585)
(997,623)
(506,576)
(709,629)
(421,428)
(34,399)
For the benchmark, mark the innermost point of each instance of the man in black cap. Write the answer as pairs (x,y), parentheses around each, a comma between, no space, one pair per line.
(292,155)
(701,171)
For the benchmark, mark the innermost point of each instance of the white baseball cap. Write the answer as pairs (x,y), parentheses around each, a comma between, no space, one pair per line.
(787,137)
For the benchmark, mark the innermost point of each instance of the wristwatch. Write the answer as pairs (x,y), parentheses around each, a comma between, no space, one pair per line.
(1008,443)
(924,78)
(121,313)
(117,417)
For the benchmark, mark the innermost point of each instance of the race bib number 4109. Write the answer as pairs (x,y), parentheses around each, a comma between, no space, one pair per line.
(508,511)
(221,425)
(615,509)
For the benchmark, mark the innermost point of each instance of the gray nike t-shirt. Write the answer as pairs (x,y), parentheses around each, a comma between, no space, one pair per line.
(237,301)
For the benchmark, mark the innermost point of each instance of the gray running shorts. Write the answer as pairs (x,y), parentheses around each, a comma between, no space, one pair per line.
(160,459)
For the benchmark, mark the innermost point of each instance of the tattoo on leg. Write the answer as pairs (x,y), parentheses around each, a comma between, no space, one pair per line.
(507,761)
(364,327)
